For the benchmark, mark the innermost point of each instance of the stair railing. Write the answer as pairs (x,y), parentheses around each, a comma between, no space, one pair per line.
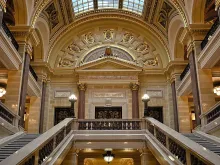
(8,115)
(40,149)
(212,114)
(180,147)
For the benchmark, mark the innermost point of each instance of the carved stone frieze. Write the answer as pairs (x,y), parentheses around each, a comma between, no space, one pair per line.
(155,93)
(89,38)
(108,94)
(74,48)
(108,78)
(62,94)
(127,37)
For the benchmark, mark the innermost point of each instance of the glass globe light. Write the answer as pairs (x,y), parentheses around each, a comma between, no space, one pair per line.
(2,91)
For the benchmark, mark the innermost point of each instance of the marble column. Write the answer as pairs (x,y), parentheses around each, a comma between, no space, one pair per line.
(175,110)
(135,101)
(81,101)
(195,87)
(23,91)
(43,95)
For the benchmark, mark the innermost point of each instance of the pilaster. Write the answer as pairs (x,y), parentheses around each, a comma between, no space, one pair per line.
(81,102)
(135,101)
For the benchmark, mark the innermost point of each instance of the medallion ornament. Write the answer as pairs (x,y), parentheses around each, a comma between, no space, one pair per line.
(74,48)
(108,34)
(143,47)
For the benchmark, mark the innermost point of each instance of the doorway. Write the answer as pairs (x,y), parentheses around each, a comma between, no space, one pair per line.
(156,113)
(60,114)
(108,112)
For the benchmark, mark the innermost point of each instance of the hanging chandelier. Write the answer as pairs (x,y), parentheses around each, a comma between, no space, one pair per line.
(108,156)
(217,90)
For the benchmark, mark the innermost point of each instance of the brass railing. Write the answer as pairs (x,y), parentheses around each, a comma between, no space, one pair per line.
(186,151)
(210,33)
(8,115)
(10,35)
(40,149)
(185,71)
(109,124)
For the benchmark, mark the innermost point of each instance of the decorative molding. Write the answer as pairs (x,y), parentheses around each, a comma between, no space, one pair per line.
(155,93)
(108,94)
(62,94)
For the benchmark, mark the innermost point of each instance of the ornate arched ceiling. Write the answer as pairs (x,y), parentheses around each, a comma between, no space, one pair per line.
(141,43)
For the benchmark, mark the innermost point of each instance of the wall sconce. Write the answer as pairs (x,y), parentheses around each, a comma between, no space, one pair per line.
(2,89)
(217,90)
(193,116)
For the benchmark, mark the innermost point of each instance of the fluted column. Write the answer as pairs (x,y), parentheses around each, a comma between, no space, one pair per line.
(135,101)
(81,102)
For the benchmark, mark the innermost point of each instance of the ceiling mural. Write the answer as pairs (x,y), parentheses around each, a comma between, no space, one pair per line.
(124,45)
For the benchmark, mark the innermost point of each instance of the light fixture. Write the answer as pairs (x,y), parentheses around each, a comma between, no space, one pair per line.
(217,90)
(72,100)
(193,116)
(108,156)
(145,99)
(2,91)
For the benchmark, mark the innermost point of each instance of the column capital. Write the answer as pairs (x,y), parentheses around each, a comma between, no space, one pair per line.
(217,4)
(82,86)
(134,86)
(3,5)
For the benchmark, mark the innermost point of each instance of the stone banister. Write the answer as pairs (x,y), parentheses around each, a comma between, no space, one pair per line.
(40,149)
(8,115)
(185,150)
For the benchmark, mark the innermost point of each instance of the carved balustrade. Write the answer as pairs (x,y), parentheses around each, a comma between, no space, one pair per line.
(8,115)
(109,124)
(178,146)
(10,35)
(39,150)
(210,33)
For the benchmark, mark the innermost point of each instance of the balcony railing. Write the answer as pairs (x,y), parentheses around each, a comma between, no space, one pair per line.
(183,149)
(210,33)
(185,71)
(7,115)
(109,124)
(10,35)
(33,72)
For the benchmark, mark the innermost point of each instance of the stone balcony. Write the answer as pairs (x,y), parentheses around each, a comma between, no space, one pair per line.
(10,57)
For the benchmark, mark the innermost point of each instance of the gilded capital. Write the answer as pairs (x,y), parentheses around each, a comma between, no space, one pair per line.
(217,4)
(3,5)
(134,86)
(82,86)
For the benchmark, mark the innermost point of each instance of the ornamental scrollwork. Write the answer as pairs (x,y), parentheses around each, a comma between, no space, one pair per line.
(127,37)
(89,38)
